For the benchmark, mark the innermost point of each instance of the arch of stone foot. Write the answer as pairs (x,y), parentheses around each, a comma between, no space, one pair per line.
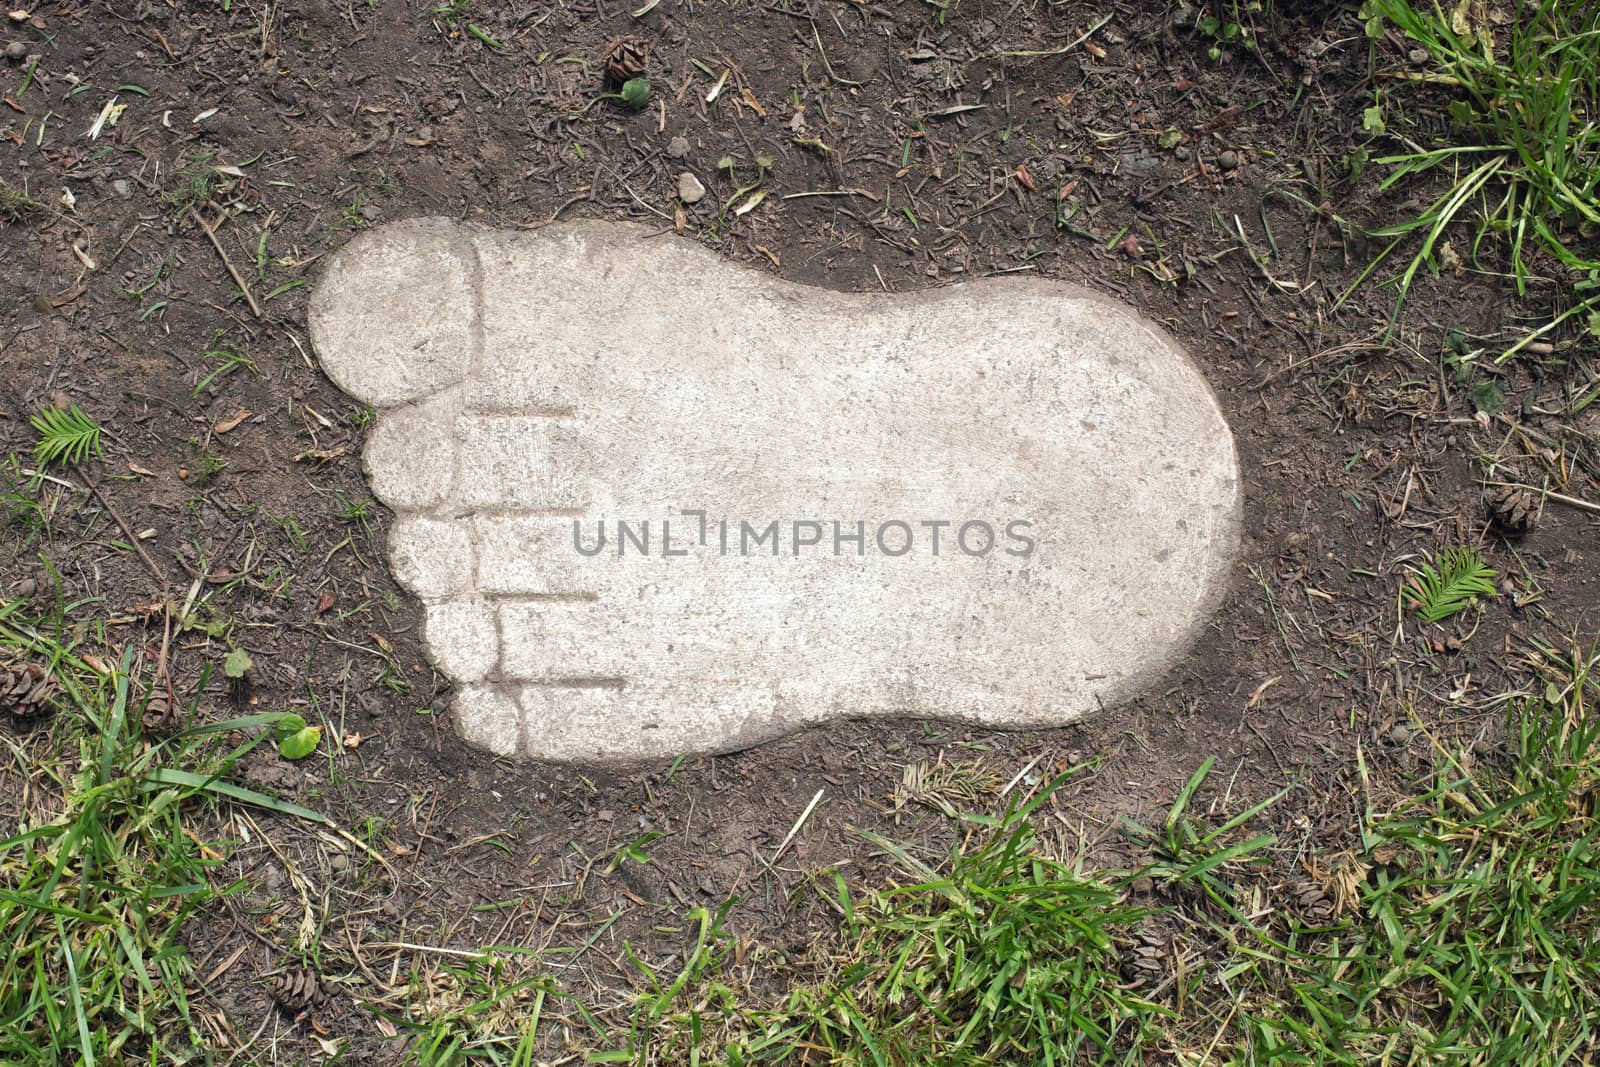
(654,502)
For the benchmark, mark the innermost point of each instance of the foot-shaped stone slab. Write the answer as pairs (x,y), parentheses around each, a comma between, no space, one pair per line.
(656,503)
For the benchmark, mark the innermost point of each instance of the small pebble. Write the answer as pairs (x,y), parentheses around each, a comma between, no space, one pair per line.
(1141,884)
(690,191)
(27,587)
(678,147)
(15,51)
(1228,160)
(1399,735)
(1482,747)
(122,188)
(338,863)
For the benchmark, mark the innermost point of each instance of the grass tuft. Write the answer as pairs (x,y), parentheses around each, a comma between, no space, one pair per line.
(1524,154)
(102,869)
(16,205)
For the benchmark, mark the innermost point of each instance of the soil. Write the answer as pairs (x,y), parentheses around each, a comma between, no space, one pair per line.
(903,145)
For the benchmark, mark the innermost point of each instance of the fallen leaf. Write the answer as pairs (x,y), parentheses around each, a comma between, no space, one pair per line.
(229,424)
(750,205)
(68,297)
(352,741)
(135,468)
(750,98)
(770,254)
(385,645)
(1025,178)
(325,604)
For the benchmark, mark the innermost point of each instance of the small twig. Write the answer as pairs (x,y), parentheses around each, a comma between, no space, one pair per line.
(238,279)
(132,538)
(801,821)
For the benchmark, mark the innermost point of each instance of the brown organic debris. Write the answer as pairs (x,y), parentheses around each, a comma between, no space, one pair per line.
(26,691)
(624,58)
(299,990)
(1512,509)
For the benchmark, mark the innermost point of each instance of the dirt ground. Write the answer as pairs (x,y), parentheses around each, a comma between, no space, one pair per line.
(1216,195)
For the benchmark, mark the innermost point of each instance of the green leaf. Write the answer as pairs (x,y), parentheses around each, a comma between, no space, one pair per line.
(635,92)
(1372,120)
(237,663)
(1488,397)
(65,436)
(1169,138)
(1436,593)
(286,726)
(296,740)
(1462,113)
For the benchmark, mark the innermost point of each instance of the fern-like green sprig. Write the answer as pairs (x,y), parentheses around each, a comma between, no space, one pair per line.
(1438,593)
(65,436)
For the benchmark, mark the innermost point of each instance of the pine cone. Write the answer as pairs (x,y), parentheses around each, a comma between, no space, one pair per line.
(1511,509)
(299,990)
(26,691)
(159,718)
(1315,905)
(1144,962)
(624,58)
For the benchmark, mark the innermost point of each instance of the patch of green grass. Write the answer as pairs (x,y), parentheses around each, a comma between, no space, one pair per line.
(485,1007)
(228,360)
(1523,157)
(1461,932)
(100,871)
(195,184)
(1474,939)
(998,953)
(16,205)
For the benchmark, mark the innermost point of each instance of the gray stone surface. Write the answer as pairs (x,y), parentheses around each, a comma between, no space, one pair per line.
(530,385)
